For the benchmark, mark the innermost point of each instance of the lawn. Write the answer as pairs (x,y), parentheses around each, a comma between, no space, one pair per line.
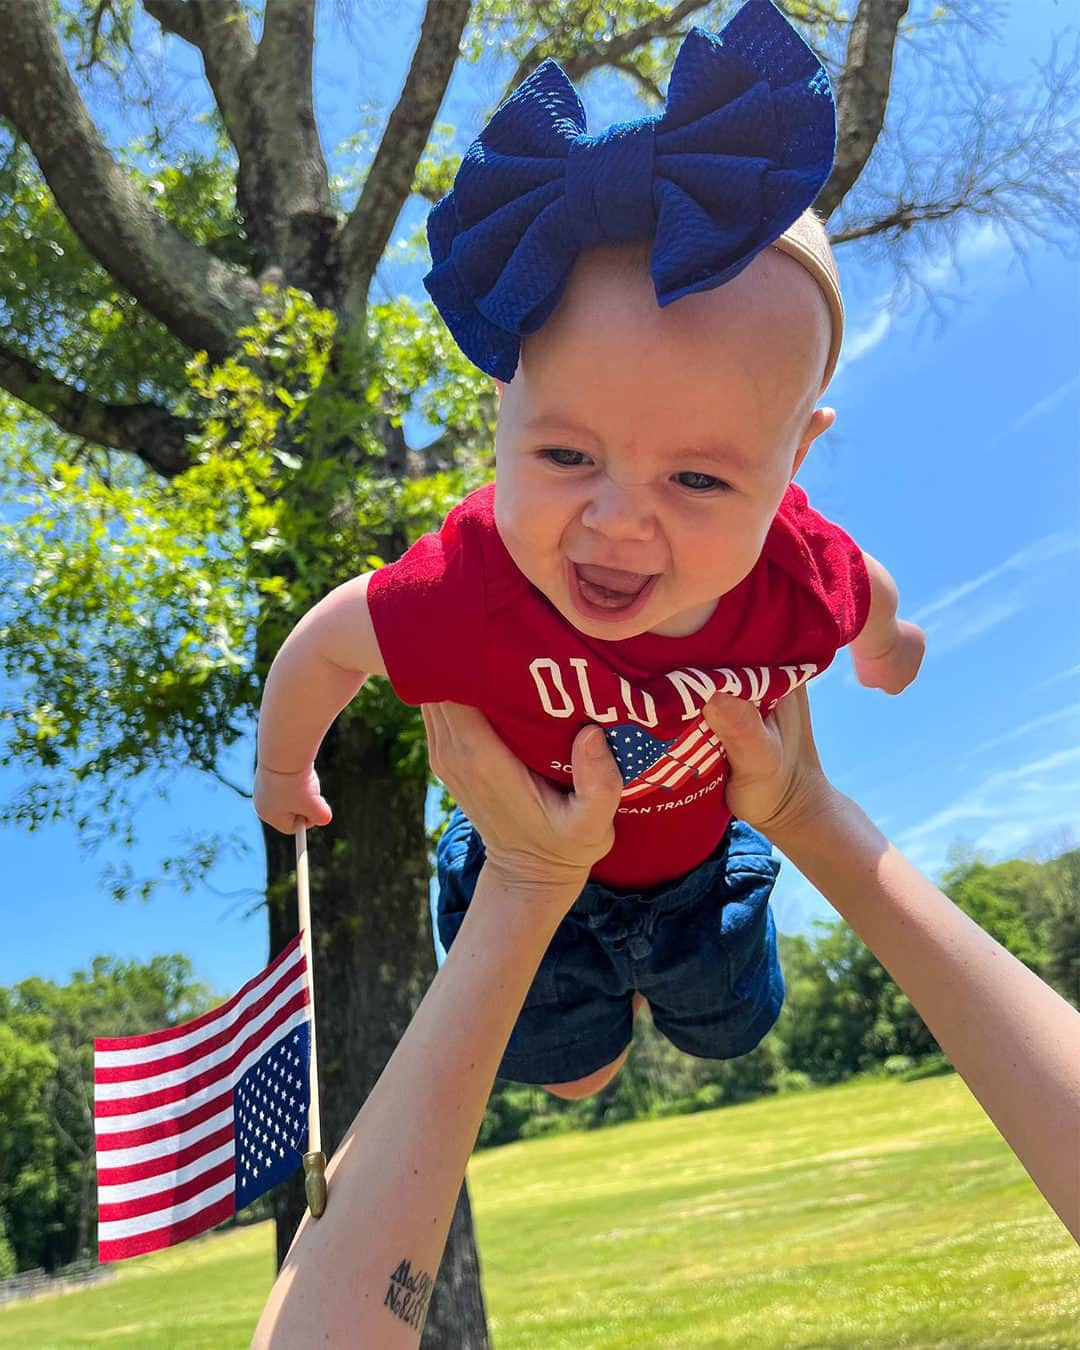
(873,1215)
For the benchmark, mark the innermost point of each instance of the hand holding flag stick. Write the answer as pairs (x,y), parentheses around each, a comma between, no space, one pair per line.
(196,1121)
(314,1158)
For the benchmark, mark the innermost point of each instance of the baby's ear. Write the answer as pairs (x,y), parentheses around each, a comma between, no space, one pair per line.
(821,420)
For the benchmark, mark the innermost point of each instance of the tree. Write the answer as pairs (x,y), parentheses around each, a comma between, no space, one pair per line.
(204,423)
(1032,908)
(1062,969)
(26,1164)
(843,1014)
(47,1033)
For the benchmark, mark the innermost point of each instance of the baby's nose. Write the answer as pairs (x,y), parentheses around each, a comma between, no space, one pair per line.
(619,511)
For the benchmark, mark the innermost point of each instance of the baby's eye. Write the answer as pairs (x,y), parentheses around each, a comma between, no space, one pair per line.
(567,459)
(701,482)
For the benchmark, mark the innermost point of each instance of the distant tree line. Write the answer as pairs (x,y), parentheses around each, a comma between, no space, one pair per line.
(843,1016)
(48,1181)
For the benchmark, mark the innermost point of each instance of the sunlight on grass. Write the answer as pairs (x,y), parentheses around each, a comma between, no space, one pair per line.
(873,1215)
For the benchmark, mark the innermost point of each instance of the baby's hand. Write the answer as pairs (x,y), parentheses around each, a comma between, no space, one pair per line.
(894,668)
(286,800)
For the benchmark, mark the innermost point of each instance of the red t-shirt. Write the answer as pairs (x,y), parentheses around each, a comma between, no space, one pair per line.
(457,621)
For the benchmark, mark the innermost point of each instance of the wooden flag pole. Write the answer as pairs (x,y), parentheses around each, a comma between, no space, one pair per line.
(314,1158)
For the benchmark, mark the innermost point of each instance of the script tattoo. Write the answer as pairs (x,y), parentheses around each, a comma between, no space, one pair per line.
(409,1294)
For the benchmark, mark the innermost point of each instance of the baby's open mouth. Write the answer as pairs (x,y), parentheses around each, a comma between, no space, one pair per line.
(610,587)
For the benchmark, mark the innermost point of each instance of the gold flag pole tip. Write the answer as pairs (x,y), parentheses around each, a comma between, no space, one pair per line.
(315,1182)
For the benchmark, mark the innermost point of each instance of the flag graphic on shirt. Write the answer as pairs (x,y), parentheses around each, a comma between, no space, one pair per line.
(647,763)
(196,1121)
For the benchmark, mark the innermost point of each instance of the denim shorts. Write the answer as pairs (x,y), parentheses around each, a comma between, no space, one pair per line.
(701,949)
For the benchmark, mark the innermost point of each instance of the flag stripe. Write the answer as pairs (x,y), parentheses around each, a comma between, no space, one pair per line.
(122,1066)
(232,1008)
(172,1196)
(122,1173)
(165,1148)
(125,1131)
(138,1242)
(219,1066)
(167,1071)
(131,1190)
(697,750)
(700,752)
(678,776)
(170,1215)
(172,1128)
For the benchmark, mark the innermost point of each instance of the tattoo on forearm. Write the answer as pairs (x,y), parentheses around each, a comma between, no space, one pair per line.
(409,1294)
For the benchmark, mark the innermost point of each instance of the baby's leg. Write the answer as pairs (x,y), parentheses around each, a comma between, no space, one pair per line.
(585,1087)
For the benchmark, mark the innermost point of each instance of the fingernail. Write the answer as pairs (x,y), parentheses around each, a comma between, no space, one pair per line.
(595,744)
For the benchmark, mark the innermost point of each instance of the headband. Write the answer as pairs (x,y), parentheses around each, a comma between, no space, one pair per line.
(744,145)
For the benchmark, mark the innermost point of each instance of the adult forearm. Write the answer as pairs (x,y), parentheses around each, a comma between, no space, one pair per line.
(304,693)
(1012,1038)
(395,1178)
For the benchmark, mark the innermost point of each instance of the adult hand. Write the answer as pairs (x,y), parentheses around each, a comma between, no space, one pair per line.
(776,782)
(533,832)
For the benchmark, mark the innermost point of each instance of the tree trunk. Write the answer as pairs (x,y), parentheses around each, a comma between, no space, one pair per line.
(373,959)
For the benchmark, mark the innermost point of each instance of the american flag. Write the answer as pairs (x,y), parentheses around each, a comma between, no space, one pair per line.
(196,1121)
(647,763)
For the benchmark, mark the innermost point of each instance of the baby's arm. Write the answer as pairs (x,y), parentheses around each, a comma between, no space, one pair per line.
(319,669)
(888,652)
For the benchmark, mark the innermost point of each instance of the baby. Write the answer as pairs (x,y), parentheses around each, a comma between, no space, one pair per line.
(643,546)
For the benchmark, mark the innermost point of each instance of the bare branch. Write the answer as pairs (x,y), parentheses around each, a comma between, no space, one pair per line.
(199,298)
(154,434)
(862,95)
(984,152)
(390,179)
(595,55)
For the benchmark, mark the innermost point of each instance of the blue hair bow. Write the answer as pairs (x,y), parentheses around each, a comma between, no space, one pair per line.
(744,145)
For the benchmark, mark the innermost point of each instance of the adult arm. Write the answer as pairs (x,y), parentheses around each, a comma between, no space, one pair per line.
(394,1179)
(1014,1041)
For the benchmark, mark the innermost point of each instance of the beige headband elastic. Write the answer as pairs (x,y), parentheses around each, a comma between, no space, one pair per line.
(807,242)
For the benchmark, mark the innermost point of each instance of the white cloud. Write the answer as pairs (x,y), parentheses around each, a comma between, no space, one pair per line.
(1071,712)
(863,340)
(1043,406)
(967,610)
(1006,813)
(1001,812)
(1049,547)
(975,245)
(1059,678)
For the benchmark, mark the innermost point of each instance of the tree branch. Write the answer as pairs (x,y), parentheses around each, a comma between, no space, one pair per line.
(862,95)
(154,434)
(595,55)
(198,298)
(265,96)
(985,154)
(905,217)
(219,29)
(649,88)
(390,179)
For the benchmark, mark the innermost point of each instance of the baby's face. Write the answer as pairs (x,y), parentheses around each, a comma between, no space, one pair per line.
(641,453)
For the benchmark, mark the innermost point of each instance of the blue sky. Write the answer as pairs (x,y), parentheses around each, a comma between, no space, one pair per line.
(954,460)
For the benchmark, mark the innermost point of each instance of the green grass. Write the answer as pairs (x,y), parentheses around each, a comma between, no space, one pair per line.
(875,1215)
